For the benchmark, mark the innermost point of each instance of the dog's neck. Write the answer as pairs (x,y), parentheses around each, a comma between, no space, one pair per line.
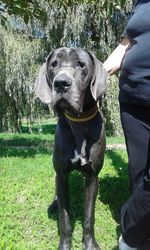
(89,101)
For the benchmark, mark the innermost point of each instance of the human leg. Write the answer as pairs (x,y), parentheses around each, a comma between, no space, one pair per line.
(135,214)
(136,126)
(135,217)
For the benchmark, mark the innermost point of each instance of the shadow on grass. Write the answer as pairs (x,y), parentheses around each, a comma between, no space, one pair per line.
(114,191)
(20,145)
(26,152)
(44,128)
(25,147)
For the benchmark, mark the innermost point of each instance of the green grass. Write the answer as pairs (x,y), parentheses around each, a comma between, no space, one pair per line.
(27,188)
(115,140)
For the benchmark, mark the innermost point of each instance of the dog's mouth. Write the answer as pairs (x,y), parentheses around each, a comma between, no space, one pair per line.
(63,105)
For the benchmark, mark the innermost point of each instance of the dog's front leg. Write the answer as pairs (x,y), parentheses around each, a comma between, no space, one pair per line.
(91,189)
(63,206)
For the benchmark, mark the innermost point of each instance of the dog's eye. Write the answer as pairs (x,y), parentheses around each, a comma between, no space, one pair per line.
(54,64)
(80,65)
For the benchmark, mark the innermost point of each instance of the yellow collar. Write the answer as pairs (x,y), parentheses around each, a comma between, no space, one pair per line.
(84,117)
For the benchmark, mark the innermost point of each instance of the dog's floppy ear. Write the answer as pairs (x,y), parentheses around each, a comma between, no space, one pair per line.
(99,81)
(41,88)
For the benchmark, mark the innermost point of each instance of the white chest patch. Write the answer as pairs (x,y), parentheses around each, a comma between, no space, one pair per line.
(76,157)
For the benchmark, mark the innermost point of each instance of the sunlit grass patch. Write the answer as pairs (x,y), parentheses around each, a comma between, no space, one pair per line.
(27,186)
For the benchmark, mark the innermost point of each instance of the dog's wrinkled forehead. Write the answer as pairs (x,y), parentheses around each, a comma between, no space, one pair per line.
(69,57)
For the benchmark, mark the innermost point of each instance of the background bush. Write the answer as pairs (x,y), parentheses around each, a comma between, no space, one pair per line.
(94,25)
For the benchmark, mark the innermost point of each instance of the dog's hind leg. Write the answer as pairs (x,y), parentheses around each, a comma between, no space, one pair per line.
(91,189)
(53,207)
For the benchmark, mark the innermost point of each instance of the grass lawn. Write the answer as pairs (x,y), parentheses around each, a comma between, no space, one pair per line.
(27,188)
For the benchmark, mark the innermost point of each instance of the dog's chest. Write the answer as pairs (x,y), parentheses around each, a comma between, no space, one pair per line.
(81,162)
(85,136)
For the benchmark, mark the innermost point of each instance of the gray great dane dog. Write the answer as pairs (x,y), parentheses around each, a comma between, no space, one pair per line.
(72,80)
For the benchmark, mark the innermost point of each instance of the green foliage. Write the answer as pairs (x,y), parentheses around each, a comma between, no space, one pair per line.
(19,62)
(111,108)
(29,9)
(94,25)
(28,186)
(26,9)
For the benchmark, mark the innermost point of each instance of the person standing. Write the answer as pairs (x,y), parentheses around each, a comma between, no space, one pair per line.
(132,58)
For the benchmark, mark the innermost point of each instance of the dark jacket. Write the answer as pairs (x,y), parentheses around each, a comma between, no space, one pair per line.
(135,71)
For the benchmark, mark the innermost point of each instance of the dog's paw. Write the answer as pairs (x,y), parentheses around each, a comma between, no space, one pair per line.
(90,244)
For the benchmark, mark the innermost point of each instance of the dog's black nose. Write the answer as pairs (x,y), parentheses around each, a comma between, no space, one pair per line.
(62,83)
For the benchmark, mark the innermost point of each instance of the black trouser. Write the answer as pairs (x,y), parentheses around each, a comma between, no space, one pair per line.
(135,214)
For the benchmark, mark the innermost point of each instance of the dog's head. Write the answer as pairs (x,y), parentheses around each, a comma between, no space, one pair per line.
(65,76)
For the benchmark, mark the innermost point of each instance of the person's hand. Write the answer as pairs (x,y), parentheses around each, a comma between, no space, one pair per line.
(114,61)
